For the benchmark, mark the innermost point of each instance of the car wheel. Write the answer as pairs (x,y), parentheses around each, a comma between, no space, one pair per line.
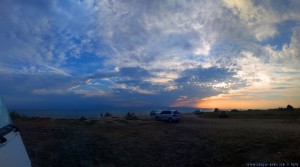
(170,120)
(156,118)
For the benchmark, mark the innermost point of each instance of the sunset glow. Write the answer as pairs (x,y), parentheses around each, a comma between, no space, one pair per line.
(149,54)
(243,104)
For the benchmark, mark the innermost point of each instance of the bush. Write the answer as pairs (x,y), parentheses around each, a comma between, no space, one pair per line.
(131,116)
(289,108)
(235,110)
(15,115)
(82,118)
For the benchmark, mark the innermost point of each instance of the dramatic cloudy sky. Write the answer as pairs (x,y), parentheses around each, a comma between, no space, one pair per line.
(140,53)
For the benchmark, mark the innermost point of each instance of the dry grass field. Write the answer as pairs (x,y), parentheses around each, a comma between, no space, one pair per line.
(204,140)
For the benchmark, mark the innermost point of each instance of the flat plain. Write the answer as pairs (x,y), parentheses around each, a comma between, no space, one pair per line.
(242,139)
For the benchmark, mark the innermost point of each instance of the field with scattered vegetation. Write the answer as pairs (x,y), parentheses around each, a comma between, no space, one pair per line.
(245,137)
(258,114)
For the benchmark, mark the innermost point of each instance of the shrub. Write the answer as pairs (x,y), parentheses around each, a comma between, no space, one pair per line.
(131,116)
(289,108)
(235,110)
(82,118)
(15,115)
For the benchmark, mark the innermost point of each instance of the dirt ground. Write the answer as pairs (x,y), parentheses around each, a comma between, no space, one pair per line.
(195,141)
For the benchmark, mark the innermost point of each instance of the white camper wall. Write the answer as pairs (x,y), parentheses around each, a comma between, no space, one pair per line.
(4,115)
(13,152)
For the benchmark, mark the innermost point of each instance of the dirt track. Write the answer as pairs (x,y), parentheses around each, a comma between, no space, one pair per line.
(194,141)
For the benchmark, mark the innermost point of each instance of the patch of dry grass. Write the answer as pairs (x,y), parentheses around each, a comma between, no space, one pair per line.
(258,114)
(195,141)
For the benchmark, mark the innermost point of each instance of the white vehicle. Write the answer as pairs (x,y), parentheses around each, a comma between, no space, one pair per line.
(12,149)
(168,115)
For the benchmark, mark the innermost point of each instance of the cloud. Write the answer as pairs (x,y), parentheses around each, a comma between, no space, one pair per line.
(262,18)
(161,39)
(134,72)
(270,76)
(148,52)
(47,92)
(43,34)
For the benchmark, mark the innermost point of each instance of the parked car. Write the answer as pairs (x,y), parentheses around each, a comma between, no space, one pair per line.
(168,115)
(223,114)
(12,149)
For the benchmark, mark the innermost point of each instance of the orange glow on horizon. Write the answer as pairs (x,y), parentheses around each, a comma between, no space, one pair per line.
(243,104)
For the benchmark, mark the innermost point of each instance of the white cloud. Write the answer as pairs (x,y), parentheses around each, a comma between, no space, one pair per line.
(262,17)
(258,18)
(88,93)
(135,89)
(270,74)
(161,38)
(290,52)
(40,34)
(57,71)
(204,50)
(252,68)
(148,35)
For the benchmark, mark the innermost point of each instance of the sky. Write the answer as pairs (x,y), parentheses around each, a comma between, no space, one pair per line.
(100,54)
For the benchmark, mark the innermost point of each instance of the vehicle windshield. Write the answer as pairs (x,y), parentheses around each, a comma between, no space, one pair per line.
(4,115)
